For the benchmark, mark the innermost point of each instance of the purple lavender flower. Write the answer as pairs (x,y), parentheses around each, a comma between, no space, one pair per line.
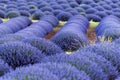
(19,54)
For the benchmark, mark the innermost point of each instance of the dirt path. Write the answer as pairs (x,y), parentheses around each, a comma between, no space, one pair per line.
(50,35)
(90,34)
(53,32)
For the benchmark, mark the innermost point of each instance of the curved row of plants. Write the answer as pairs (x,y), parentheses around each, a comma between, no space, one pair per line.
(63,9)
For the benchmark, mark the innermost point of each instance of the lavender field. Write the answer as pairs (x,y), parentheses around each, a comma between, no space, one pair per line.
(59,39)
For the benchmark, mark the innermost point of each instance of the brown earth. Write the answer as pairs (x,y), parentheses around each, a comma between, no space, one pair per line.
(54,32)
(50,35)
(90,34)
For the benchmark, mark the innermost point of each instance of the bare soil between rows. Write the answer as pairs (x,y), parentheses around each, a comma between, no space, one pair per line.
(90,34)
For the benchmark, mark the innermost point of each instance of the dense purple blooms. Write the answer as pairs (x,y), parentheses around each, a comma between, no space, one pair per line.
(10,27)
(117,78)
(37,15)
(107,7)
(57,7)
(100,8)
(11,6)
(24,20)
(19,54)
(94,17)
(71,41)
(35,58)
(111,33)
(108,51)
(30,73)
(64,71)
(45,25)
(91,11)
(117,41)
(4,68)
(56,12)
(85,7)
(102,14)
(12,14)
(72,11)
(81,19)
(61,1)
(48,13)
(109,28)
(23,8)
(73,4)
(46,8)
(80,62)
(64,16)
(50,19)
(87,1)
(24,13)
(30,31)
(2,13)
(39,29)
(45,46)
(72,35)
(107,67)
(78,1)
(10,38)
(42,4)
(103,8)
